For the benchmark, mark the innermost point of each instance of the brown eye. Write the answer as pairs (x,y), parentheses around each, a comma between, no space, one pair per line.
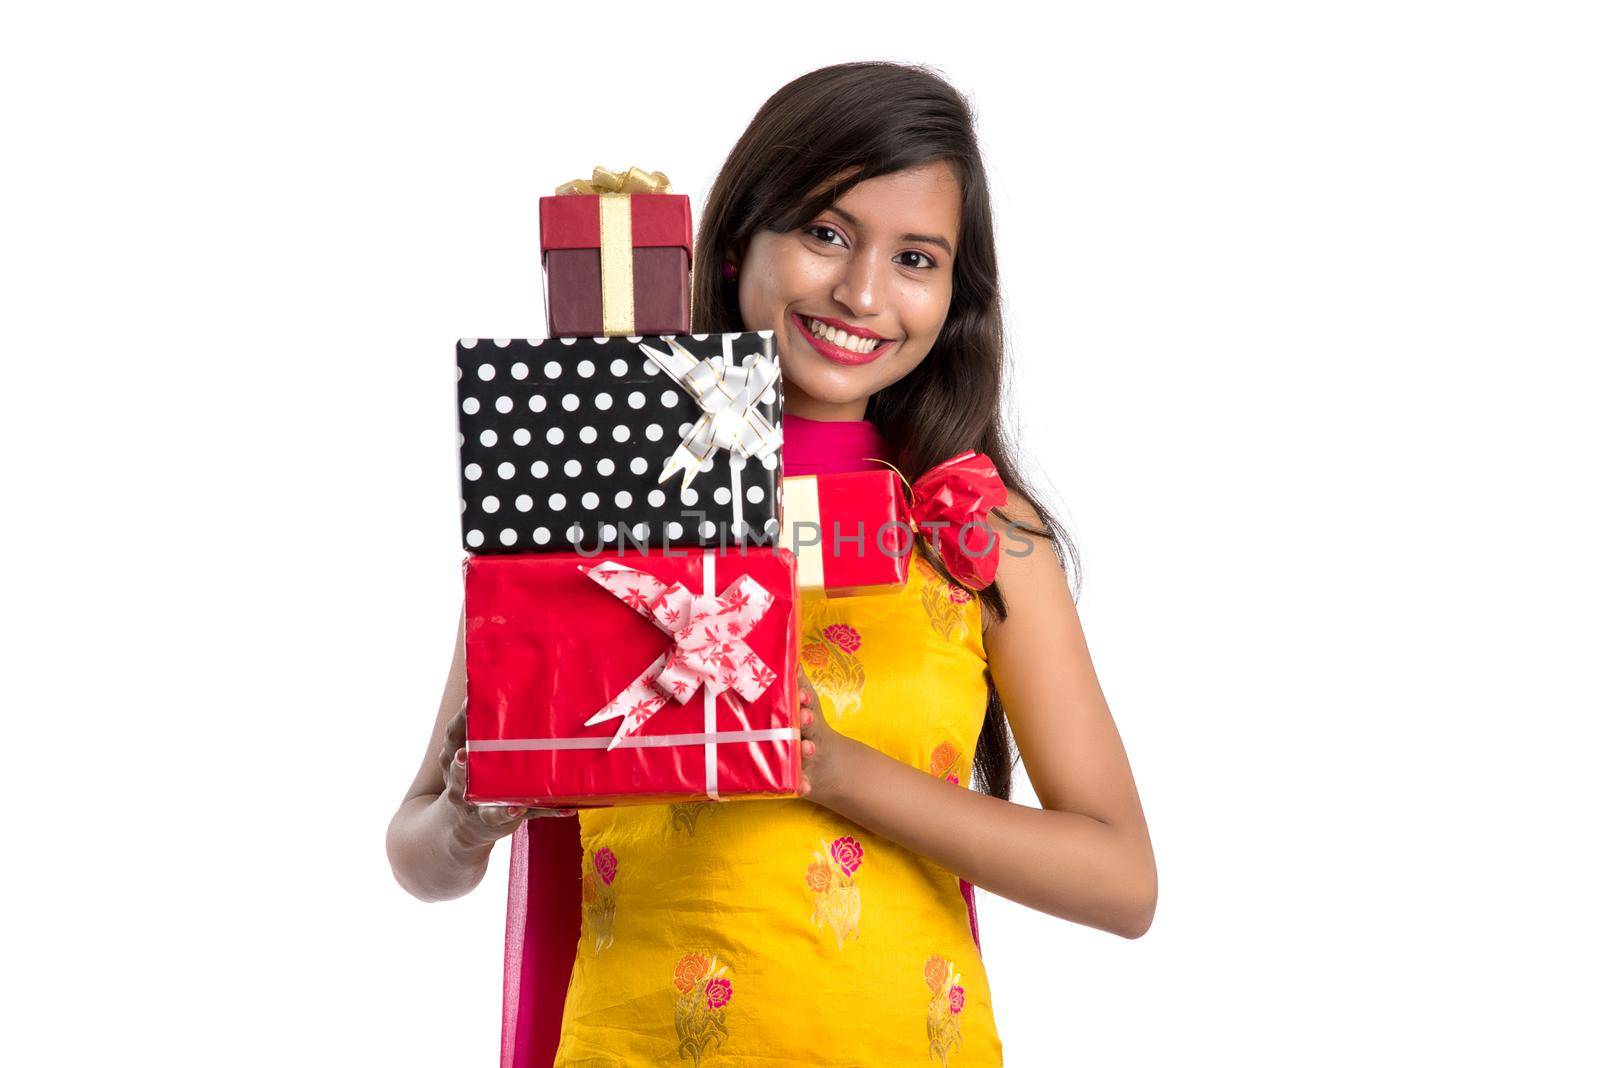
(815,230)
(925,256)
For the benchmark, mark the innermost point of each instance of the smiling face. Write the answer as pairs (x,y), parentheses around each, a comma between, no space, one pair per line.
(857,296)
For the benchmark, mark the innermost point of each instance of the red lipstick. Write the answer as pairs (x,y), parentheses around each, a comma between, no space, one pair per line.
(833,352)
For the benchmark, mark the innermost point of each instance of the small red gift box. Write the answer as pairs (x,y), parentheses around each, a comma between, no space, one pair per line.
(851,533)
(631,678)
(854,532)
(616,264)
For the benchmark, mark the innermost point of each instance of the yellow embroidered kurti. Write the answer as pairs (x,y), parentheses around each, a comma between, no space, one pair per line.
(775,932)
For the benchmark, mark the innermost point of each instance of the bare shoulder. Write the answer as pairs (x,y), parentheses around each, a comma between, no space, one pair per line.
(1029,574)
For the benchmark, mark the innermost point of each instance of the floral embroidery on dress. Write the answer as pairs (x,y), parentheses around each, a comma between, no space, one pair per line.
(704,991)
(685,815)
(828,650)
(831,878)
(599,896)
(945,762)
(944,1008)
(945,604)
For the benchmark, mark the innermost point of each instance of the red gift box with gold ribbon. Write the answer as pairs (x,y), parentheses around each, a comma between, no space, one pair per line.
(631,678)
(616,253)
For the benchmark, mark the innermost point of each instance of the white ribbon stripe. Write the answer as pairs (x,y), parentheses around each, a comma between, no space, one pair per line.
(649,741)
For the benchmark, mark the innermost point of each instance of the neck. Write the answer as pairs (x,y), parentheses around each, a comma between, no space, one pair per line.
(797,403)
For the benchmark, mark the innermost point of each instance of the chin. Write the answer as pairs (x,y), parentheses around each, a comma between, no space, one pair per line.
(827,391)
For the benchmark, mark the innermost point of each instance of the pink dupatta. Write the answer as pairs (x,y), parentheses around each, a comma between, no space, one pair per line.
(543,903)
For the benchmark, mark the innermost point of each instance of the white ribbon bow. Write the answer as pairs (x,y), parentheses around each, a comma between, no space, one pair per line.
(727,394)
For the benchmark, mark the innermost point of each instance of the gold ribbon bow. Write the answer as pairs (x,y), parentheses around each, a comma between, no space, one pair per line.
(629,183)
(616,238)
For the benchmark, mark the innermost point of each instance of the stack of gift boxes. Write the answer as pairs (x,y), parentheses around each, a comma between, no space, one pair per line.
(635,556)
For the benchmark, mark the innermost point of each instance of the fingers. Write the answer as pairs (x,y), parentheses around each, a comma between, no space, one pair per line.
(500,816)
(455,733)
(455,736)
(455,777)
(503,817)
(807,716)
(808,703)
(485,823)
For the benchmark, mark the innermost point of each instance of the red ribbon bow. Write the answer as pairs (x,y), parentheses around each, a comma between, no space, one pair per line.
(958,492)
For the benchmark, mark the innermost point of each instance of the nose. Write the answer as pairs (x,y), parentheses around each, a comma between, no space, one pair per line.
(860,287)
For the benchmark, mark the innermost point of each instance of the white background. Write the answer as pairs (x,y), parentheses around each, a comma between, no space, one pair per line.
(1302,300)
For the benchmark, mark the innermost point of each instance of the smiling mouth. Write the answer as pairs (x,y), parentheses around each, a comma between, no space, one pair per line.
(838,345)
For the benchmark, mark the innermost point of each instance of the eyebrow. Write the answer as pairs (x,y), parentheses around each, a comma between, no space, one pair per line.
(932,239)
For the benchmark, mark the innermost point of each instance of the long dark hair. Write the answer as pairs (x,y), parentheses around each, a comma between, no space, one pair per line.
(865,120)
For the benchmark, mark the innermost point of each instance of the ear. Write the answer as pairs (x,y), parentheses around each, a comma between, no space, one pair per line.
(735,256)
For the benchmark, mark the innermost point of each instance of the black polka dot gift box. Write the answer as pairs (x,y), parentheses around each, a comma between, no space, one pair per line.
(620,443)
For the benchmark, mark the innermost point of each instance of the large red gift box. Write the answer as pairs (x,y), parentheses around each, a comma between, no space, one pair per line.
(851,532)
(571,658)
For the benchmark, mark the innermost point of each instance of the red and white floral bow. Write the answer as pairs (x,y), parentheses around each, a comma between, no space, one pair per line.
(708,647)
(950,504)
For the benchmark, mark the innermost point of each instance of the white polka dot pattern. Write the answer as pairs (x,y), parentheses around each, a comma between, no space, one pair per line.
(562,442)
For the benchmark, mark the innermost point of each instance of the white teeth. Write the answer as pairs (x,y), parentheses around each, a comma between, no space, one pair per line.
(839,337)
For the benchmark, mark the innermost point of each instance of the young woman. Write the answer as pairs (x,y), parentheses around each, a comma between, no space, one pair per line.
(853,219)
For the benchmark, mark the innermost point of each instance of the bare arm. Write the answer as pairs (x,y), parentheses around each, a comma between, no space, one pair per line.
(438,844)
(1086,855)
